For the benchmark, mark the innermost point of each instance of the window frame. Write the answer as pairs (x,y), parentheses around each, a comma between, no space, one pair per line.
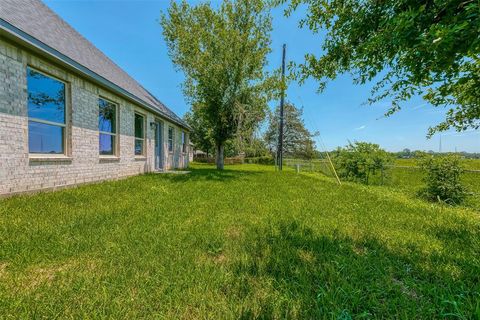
(115,135)
(171,141)
(184,142)
(64,126)
(143,155)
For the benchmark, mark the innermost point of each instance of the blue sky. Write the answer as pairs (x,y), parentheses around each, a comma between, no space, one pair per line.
(128,32)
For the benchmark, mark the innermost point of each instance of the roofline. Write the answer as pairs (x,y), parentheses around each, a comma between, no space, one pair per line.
(38,46)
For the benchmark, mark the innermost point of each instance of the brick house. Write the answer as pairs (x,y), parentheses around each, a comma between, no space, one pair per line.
(68,114)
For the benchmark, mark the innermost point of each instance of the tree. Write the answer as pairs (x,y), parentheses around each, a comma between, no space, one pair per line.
(362,161)
(443,179)
(428,48)
(222,53)
(200,135)
(298,141)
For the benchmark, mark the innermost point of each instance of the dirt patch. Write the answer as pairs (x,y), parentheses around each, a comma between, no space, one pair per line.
(3,269)
(359,250)
(233,232)
(306,256)
(35,277)
(405,289)
(220,258)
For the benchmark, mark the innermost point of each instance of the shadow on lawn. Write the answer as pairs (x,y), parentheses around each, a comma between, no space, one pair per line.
(209,174)
(336,277)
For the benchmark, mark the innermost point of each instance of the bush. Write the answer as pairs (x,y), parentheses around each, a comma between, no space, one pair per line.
(260,160)
(362,162)
(443,179)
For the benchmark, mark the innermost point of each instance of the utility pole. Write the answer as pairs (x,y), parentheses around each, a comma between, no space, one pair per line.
(280,127)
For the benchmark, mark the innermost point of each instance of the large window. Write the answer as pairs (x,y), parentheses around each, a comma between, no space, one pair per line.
(184,142)
(139,134)
(107,127)
(170,139)
(46,113)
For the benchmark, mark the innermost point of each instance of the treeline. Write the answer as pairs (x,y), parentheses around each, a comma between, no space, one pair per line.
(252,142)
(409,154)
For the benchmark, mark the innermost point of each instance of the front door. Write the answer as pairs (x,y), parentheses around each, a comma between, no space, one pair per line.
(158,146)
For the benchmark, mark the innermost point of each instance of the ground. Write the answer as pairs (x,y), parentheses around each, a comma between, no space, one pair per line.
(248,242)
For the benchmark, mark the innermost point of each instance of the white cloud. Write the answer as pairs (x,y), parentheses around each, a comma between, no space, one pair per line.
(360,128)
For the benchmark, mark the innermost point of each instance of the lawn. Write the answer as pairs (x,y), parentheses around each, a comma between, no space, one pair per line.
(245,243)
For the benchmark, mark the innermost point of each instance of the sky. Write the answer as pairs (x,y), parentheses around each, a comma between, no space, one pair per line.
(128,32)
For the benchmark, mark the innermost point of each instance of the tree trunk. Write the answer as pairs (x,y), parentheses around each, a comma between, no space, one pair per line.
(220,159)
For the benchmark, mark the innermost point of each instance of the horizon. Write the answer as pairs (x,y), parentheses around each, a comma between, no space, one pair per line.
(338,113)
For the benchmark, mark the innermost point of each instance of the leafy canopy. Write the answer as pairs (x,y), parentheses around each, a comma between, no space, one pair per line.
(200,134)
(443,179)
(429,48)
(362,161)
(297,139)
(222,53)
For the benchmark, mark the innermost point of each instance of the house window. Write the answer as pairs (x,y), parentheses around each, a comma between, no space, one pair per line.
(107,127)
(46,113)
(139,135)
(170,139)
(184,142)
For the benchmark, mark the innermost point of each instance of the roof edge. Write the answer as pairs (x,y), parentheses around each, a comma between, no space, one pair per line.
(30,42)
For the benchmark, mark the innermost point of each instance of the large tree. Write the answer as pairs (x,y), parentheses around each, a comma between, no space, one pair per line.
(297,139)
(222,53)
(429,48)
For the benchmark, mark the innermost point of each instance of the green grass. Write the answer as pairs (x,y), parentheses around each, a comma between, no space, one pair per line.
(468,164)
(409,180)
(244,243)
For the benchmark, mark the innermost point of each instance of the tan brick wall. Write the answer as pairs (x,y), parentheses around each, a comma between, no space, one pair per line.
(20,172)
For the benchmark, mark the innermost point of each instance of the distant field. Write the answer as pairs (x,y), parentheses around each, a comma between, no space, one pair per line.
(469,164)
(405,177)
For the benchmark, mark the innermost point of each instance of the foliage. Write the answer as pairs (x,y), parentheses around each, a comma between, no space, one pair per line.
(241,243)
(427,48)
(222,53)
(443,179)
(362,161)
(298,141)
(260,160)
(200,135)
(257,148)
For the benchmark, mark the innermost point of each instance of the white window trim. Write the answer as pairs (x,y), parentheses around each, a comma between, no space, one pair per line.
(184,143)
(116,153)
(66,147)
(173,139)
(143,155)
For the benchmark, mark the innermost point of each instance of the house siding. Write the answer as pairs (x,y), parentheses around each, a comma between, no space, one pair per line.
(19,172)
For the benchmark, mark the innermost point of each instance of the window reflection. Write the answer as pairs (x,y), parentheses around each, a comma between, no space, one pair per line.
(46,113)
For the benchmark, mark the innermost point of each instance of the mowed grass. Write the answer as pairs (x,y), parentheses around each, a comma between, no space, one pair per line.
(245,243)
(408,179)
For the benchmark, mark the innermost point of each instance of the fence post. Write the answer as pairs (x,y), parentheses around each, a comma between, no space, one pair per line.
(298,168)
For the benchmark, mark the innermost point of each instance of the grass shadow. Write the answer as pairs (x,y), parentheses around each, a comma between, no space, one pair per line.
(316,277)
(209,174)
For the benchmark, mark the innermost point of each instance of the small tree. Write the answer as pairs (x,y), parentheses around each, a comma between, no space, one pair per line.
(443,179)
(360,161)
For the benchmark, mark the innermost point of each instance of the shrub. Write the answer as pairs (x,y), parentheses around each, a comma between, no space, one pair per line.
(443,179)
(260,160)
(362,161)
